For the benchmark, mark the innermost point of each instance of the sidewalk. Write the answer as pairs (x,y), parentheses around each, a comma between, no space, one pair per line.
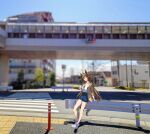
(8,122)
(38,125)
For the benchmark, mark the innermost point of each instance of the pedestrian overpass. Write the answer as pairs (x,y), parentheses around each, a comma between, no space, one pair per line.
(113,41)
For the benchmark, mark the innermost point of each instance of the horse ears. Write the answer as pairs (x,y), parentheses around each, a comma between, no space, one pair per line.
(86,72)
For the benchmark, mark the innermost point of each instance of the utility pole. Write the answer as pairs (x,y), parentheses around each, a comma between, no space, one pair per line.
(93,66)
(126,74)
(118,70)
(132,79)
(63,72)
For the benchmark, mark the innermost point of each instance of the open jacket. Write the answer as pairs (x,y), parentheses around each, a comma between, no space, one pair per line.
(93,94)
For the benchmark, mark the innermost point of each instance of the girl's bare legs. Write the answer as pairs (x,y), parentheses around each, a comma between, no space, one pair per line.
(76,106)
(83,105)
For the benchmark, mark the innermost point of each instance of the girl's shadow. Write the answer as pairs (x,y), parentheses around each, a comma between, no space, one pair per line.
(86,123)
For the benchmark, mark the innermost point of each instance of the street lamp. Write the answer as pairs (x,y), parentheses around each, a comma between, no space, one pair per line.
(63,70)
(44,72)
(93,66)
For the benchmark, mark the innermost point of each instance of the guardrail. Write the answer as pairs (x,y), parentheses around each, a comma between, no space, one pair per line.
(128,107)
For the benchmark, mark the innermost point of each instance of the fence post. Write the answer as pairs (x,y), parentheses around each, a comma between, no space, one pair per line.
(137,110)
(49,117)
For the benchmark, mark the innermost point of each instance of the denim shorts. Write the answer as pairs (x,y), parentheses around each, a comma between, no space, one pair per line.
(84,97)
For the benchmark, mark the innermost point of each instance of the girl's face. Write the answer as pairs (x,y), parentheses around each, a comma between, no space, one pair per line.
(85,79)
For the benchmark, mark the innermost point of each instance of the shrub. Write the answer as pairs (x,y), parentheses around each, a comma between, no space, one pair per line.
(124,88)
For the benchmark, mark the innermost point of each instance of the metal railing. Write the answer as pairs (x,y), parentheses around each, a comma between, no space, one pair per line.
(135,108)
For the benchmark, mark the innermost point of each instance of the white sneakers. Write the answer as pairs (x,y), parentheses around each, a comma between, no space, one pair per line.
(76,125)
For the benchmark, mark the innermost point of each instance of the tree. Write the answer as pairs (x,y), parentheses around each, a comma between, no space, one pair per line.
(52,78)
(39,76)
(20,78)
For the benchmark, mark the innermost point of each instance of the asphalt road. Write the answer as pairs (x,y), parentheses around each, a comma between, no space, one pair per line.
(85,128)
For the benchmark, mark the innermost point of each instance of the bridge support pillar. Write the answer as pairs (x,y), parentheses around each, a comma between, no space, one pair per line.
(149,74)
(4,69)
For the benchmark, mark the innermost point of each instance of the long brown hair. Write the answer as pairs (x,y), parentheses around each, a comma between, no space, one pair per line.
(92,90)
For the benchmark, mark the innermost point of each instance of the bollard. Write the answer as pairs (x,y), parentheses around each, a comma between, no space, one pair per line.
(49,118)
(137,115)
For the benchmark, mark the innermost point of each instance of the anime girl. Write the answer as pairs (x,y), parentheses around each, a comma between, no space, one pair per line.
(87,94)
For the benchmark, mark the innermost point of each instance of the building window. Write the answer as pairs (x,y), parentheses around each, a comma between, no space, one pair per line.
(24,29)
(73,36)
(106,36)
(39,35)
(99,29)
(40,29)
(30,71)
(107,29)
(10,35)
(148,36)
(124,36)
(65,29)
(65,36)
(32,29)
(31,35)
(81,36)
(114,72)
(116,36)
(141,36)
(48,29)
(148,29)
(98,36)
(146,72)
(132,29)
(56,36)
(124,30)
(24,35)
(115,29)
(133,36)
(81,29)
(89,36)
(141,29)
(48,35)
(16,35)
(56,29)
(90,29)
(73,29)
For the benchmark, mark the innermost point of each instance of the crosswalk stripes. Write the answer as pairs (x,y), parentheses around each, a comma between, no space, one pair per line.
(27,105)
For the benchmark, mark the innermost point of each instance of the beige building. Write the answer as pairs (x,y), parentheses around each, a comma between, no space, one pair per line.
(137,75)
(102,78)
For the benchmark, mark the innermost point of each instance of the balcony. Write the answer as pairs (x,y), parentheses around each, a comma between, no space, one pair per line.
(3,36)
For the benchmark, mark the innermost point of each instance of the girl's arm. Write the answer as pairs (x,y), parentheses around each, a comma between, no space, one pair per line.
(80,87)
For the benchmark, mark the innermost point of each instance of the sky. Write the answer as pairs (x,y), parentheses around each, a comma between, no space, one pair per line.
(81,11)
